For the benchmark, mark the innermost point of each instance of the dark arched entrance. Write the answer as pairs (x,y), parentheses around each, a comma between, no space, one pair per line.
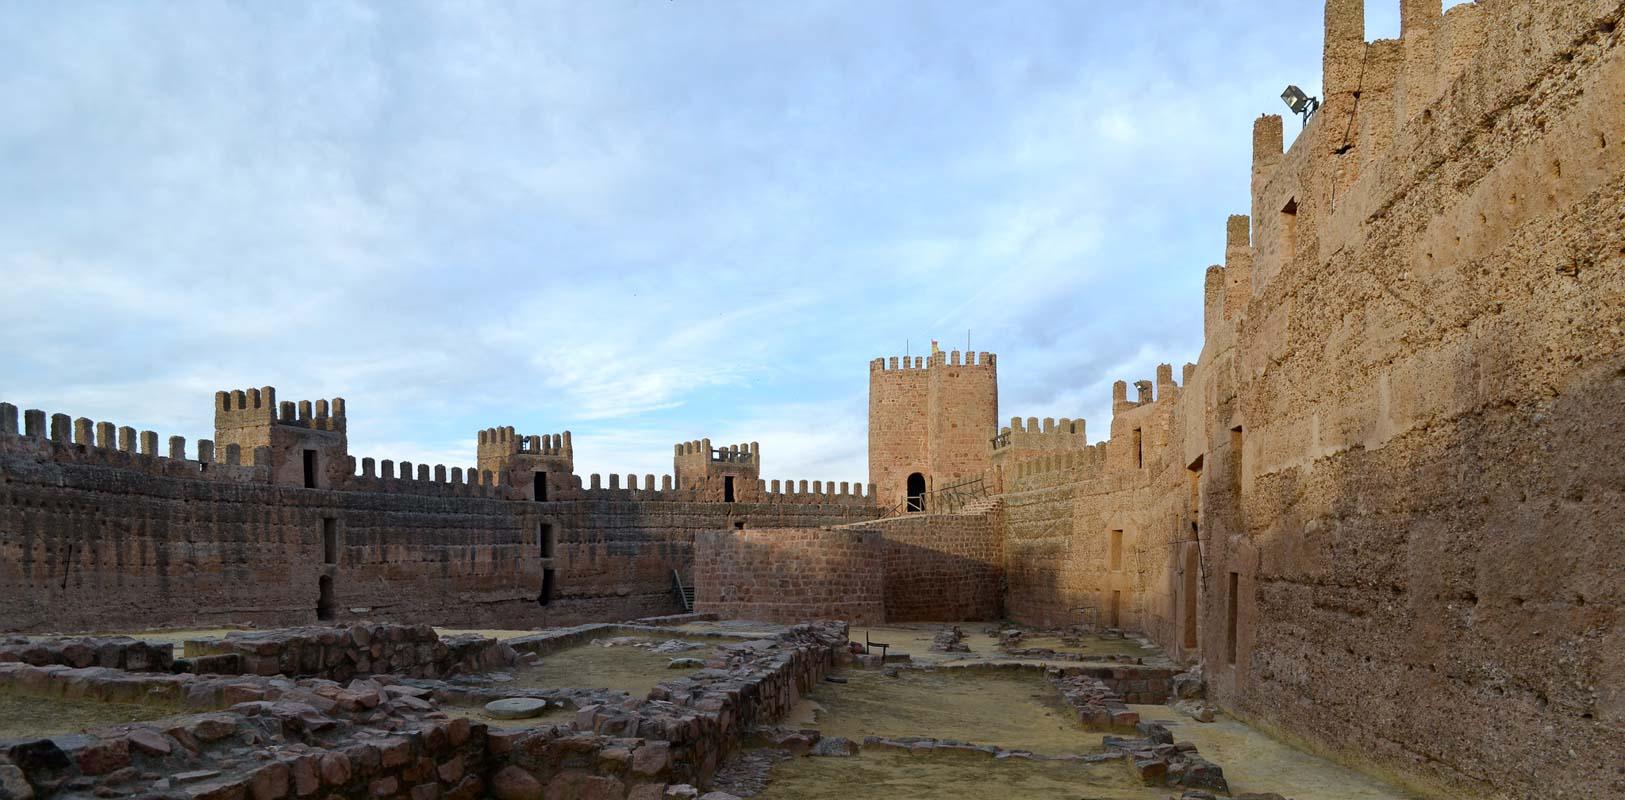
(916,492)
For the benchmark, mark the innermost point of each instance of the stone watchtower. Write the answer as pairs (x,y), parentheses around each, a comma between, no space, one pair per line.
(307,442)
(724,474)
(930,419)
(543,464)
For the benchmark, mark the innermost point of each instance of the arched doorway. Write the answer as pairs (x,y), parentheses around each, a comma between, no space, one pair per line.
(916,492)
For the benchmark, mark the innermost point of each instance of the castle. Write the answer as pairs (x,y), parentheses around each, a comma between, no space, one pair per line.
(1380,508)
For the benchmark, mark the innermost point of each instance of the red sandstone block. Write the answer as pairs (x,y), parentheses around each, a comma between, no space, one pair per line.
(395,752)
(306,775)
(105,756)
(385,787)
(269,782)
(458,731)
(336,769)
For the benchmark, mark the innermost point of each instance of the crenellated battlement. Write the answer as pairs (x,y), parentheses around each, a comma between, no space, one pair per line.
(61,438)
(504,441)
(406,478)
(1055,469)
(1147,392)
(258,407)
(1048,436)
(941,358)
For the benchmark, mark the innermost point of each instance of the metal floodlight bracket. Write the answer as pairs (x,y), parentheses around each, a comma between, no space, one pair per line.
(1300,102)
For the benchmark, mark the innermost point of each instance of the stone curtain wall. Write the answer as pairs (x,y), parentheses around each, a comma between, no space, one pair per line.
(95,539)
(1403,433)
(1432,470)
(790,574)
(940,567)
(615,557)
(94,547)
(915,568)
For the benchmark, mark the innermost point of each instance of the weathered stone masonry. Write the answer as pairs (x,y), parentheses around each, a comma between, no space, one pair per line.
(99,531)
(1383,506)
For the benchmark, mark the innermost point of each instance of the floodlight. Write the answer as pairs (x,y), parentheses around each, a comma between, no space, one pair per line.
(1295,99)
(1300,103)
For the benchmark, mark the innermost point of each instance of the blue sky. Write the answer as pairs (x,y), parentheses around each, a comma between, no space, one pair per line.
(644,221)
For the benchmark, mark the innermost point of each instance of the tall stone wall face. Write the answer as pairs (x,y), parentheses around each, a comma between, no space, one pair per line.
(940,567)
(99,540)
(898,399)
(94,547)
(1098,537)
(615,558)
(789,575)
(935,415)
(914,568)
(964,415)
(1404,430)
(1427,543)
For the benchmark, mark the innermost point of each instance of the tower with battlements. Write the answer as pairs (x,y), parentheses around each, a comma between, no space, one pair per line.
(306,443)
(542,466)
(930,418)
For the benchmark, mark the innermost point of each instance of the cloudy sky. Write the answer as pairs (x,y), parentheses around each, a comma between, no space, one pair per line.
(643,221)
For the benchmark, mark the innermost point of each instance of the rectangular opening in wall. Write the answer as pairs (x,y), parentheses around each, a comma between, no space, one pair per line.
(546,595)
(1235,455)
(539,487)
(1194,475)
(544,538)
(330,541)
(1193,555)
(1114,551)
(1139,449)
(1230,619)
(1289,230)
(310,469)
(728,489)
(740,525)
(324,598)
(1115,613)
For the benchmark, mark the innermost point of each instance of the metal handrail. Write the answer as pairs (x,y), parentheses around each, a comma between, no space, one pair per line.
(946,500)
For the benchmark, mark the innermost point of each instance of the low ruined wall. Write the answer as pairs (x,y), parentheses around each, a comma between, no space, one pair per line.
(310,738)
(342,653)
(116,652)
(703,718)
(940,567)
(790,575)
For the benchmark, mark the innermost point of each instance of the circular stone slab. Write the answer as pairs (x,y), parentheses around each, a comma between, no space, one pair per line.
(516,708)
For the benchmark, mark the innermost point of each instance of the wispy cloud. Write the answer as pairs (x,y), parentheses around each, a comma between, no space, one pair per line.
(644,222)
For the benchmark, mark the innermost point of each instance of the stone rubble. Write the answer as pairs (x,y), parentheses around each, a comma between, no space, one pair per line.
(950,640)
(1160,761)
